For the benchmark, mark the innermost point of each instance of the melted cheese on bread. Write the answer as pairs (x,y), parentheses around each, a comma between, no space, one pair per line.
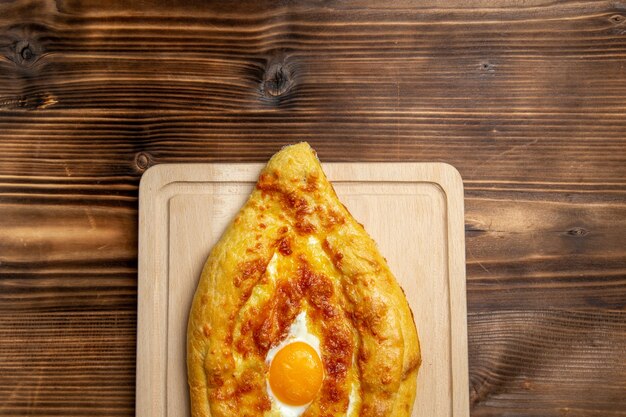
(295,248)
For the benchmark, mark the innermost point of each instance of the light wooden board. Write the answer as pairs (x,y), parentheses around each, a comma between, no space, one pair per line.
(414,212)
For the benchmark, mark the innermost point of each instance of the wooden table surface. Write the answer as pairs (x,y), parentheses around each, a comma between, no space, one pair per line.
(526,99)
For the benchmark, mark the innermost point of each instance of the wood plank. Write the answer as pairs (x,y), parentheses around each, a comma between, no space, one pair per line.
(550,362)
(68,363)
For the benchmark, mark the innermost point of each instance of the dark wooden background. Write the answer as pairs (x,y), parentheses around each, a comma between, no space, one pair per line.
(526,98)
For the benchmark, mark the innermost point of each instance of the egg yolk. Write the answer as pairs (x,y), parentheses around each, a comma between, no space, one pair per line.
(296,374)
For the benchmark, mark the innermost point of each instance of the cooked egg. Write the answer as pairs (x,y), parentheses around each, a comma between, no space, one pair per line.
(296,374)
(295,370)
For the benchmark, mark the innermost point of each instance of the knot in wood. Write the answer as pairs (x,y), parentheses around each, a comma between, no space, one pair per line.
(25,52)
(142,161)
(577,232)
(277,80)
(617,19)
(487,66)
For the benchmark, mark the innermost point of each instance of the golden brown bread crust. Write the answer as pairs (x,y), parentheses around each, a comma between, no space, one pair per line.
(358,309)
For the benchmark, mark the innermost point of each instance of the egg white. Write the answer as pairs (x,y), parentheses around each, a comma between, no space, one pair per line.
(353,401)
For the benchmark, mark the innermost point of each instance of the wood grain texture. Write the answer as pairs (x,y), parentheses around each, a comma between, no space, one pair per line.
(526,99)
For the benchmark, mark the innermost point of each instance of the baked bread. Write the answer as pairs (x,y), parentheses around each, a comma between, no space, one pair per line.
(295,266)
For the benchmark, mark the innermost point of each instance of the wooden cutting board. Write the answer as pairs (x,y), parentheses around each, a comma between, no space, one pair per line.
(413,211)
